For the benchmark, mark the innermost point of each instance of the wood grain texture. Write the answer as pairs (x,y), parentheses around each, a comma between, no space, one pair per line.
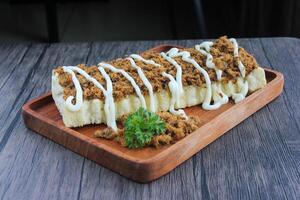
(259,159)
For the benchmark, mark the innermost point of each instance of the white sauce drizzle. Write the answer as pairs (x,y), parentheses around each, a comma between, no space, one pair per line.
(140,58)
(237,97)
(219,95)
(178,70)
(236,54)
(146,83)
(204,48)
(79,98)
(173,86)
(175,89)
(185,55)
(130,79)
(109,107)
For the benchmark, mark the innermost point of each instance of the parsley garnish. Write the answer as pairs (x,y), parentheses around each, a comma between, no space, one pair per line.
(140,127)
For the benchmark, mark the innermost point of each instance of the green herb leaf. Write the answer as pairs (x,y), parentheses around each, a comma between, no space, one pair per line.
(141,126)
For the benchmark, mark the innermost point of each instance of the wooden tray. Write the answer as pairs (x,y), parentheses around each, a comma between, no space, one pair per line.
(147,164)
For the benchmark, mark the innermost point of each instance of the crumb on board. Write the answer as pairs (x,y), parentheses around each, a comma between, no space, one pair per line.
(159,140)
(107,133)
(177,127)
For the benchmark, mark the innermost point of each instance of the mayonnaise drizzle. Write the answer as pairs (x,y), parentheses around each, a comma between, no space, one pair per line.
(237,97)
(140,58)
(109,107)
(185,55)
(173,86)
(204,48)
(129,78)
(79,99)
(178,70)
(236,54)
(176,89)
(219,95)
(146,83)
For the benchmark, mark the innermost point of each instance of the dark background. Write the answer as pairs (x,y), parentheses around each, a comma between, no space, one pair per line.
(92,20)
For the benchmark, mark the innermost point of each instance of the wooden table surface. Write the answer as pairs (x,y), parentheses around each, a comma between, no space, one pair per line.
(258,159)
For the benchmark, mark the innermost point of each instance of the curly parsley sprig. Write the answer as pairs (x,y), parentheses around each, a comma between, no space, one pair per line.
(140,127)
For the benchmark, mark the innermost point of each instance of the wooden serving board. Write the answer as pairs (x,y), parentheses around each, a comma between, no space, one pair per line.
(147,164)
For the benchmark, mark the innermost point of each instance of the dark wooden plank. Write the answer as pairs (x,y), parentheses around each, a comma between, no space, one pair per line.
(284,117)
(257,160)
(286,120)
(10,56)
(15,79)
(292,100)
(32,166)
(288,105)
(279,122)
(281,119)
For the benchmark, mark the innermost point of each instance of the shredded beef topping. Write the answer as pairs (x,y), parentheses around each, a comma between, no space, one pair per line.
(222,52)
